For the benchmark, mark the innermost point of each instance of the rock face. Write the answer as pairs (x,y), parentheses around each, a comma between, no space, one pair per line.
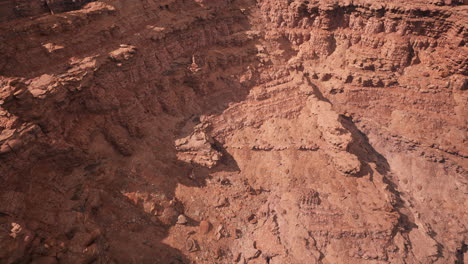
(12,9)
(281,131)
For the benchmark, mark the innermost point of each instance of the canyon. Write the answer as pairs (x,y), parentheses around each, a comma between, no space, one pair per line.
(233,131)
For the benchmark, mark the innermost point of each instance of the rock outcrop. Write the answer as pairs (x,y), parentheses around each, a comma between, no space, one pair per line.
(234,131)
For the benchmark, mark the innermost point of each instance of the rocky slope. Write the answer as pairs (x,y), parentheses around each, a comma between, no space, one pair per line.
(235,131)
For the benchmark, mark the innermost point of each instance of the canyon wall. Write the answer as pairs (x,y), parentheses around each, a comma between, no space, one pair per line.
(235,131)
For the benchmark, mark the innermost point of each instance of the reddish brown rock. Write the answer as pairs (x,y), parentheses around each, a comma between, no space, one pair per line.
(310,131)
(204,227)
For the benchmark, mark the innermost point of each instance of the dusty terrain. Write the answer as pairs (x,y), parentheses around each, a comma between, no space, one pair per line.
(233,131)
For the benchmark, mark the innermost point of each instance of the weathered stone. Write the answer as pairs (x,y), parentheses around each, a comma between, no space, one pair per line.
(182,220)
(204,227)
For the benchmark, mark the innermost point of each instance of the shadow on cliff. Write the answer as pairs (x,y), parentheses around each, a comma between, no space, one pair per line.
(128,233)
(361,147)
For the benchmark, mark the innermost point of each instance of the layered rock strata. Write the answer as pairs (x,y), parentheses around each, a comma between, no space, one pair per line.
(279,131)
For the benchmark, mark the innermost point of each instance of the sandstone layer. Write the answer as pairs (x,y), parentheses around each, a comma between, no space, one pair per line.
(234,131)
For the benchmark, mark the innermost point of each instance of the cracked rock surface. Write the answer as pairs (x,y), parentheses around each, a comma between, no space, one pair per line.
(233,131)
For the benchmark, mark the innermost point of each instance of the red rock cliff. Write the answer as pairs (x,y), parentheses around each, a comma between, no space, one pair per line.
(235,131)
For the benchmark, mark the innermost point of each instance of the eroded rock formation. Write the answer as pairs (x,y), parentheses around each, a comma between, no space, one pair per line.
(235,131)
